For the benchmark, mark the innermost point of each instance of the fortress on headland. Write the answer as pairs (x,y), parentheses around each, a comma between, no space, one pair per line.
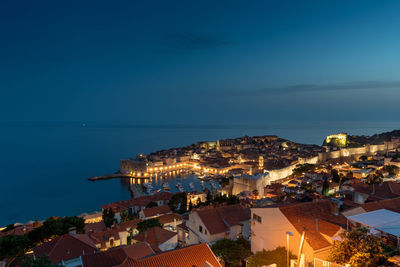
(339,140)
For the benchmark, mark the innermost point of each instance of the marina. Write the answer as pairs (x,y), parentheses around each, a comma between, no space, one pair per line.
(173,184)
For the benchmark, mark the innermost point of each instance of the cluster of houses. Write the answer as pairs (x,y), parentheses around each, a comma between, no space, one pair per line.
(306,213)
(244,155)
(186,239)
(179,241)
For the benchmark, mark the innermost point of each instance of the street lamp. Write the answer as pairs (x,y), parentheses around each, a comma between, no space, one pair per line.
(288,234)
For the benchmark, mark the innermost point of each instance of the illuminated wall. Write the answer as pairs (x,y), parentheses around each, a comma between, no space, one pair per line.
(337,139)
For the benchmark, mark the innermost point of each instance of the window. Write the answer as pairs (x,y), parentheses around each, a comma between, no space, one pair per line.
(200,228)
(256,218)
(205,231)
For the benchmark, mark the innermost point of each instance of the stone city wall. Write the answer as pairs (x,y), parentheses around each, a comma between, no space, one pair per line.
(368,149)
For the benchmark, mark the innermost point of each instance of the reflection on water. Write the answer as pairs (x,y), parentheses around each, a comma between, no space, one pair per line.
(189,182)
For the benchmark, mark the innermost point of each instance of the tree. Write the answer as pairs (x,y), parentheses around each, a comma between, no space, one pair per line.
(16,245)
(255,192)
(335,176)
(302,168)
(12,246)
(146,224)
(325,187)
(391,169)
(209,198)
(152,204)
(277,256)
(42,261)
(232,252)
(108,217)
(374,179)
(129,239)
(178,202)
(232,199)
(56,227)
(199,203)
(358,248)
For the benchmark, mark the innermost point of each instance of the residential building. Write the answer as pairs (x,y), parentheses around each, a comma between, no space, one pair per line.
(170,221)
(115,236)
(211,224)
(67,249)
(158,238)
(320,221)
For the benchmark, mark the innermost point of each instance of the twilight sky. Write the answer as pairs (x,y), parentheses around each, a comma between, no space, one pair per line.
(199,62)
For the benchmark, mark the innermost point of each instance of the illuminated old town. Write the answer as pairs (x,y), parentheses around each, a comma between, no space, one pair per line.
(200,133)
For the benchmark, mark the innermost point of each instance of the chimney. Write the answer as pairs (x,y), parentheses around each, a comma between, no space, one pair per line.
(72,230)
(316,224)
(335,204)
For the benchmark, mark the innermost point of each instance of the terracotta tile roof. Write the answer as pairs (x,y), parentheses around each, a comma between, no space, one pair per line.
(383,191)
(220,219)
(137,202)
(196,255)
(94,227)
(155,236)
(377,191)
(129,224)
(156,211)
(169,218)
(360,187)
(303,217)
(395,187)
(116,256)
(65,247)
(389,204)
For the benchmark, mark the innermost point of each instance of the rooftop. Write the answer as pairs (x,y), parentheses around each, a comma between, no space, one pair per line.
(382,219)
(196,255)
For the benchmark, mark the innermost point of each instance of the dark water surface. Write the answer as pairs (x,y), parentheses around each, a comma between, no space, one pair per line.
(44,166)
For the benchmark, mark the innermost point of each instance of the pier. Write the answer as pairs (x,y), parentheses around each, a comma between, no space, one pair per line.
(118,175)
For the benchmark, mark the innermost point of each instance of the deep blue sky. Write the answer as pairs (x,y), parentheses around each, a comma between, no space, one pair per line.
(199,62)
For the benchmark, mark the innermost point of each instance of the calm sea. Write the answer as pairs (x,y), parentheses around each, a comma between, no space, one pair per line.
(44,166)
